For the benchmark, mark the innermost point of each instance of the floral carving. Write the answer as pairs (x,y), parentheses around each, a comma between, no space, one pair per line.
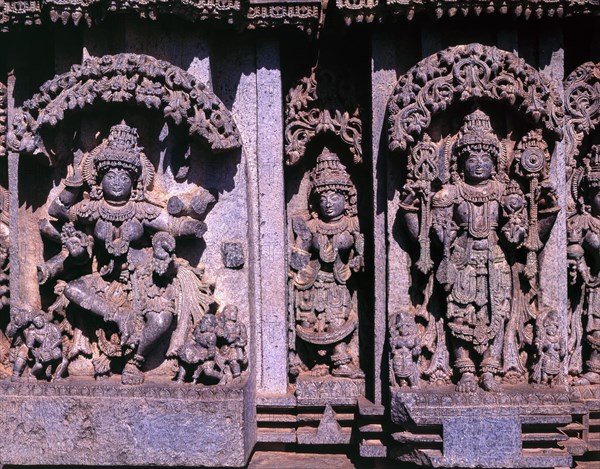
(321,104)
(582,103)
(464,73)
(141,79)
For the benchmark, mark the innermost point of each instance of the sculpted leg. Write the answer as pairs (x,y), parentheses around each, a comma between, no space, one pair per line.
(465,366)
(80,293)
(156,326)
(491,363)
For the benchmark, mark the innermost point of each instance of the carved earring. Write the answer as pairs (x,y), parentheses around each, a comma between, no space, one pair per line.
(96,192)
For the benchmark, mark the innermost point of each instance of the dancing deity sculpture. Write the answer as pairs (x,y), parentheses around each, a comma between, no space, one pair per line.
(121,244)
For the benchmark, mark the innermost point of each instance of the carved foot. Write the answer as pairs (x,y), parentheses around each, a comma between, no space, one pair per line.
(125,320)
(489,383)
(320,371)
(467,383)
(348,370)
(132,375)
(587,379)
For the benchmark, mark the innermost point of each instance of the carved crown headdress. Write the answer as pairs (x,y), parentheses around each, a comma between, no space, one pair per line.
(119,150)
(592,167)
(477,132)
(329,174)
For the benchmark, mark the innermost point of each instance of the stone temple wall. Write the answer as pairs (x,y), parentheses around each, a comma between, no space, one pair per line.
(366,226)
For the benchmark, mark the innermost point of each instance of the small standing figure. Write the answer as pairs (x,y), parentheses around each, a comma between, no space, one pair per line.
(20,320)
(550,349)
(406,350)
(328,248)
(44,341)
(199,350)
(233,336)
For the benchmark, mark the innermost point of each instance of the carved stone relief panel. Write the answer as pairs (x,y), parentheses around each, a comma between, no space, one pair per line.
(126,273)
(478,201)
(471,208)
(581,101)
(323,142)
(119,286)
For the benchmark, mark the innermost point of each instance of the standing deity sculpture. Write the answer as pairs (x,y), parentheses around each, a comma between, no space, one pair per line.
(122,290)
(583,251)
(328,248)
(484,233)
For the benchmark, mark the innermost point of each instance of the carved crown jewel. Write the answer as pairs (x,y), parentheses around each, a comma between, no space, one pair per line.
(477,132)
(593,167)
(330,174)
(119,150)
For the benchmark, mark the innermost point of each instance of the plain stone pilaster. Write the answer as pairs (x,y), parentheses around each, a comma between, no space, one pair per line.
(383,79)
(272,339)
(553,261)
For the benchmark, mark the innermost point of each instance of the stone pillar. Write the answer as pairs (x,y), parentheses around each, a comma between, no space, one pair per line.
(383,79)
(271,351)
(553,262)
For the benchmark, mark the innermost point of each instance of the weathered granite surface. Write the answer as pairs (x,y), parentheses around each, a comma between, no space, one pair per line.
(107,424)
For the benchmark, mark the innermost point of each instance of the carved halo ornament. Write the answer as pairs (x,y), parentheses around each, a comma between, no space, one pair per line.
(321,104)
(464,73)
(125,78)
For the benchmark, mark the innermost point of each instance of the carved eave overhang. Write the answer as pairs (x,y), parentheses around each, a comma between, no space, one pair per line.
(3,105)
(240,14)
(132,79)
(468,73)
(358,11)
(303,14)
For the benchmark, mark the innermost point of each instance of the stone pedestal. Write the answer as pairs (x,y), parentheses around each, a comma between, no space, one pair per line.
(161,424)
(516,427)
(314,391)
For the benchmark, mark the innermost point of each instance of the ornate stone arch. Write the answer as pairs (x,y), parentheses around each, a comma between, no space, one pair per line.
(582,104)
(126,78)
(464,73)
(319,104)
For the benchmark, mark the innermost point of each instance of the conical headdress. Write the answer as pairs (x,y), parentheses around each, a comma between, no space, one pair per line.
(477,132)
(120,150)
(329,174)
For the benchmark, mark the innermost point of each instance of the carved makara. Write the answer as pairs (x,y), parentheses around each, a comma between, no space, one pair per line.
(479,221)
(120,289)
(328,248)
